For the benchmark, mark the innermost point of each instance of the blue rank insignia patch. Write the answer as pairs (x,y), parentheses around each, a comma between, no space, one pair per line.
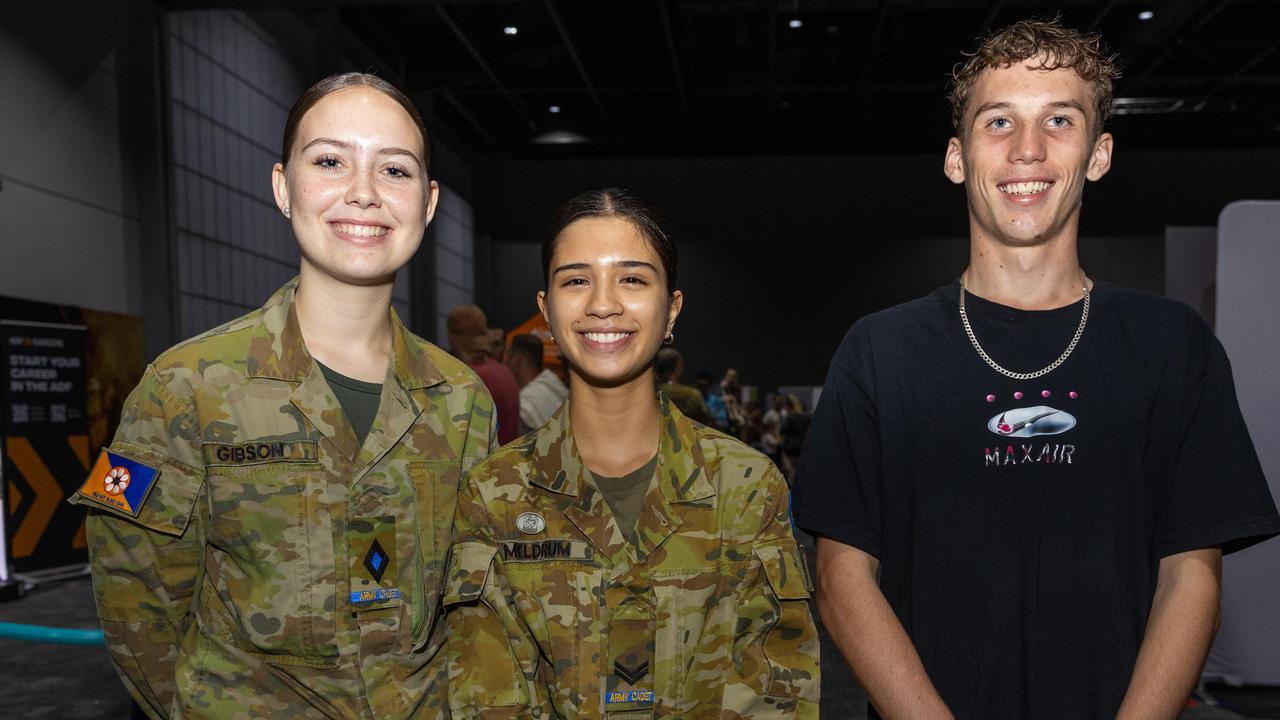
(119,483)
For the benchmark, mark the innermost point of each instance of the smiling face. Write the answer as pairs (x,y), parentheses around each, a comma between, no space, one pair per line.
(1028,146)
(607,301)
(355,189)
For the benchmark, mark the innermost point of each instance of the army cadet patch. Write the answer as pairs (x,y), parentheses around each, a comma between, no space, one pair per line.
(640,697)
(252,453)
(367,596)
(543,550)
(119,483)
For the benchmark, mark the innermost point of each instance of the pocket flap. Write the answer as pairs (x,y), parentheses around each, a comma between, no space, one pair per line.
(142,486)
(786,569)
(469,566)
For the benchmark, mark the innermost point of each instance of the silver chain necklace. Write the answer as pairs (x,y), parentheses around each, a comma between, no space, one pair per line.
(968,330)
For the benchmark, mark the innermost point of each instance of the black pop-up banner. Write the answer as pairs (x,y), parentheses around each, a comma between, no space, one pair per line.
(45,440)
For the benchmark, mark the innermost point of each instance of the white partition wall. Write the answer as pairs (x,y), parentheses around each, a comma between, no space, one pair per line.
(1248,324)
(455,274)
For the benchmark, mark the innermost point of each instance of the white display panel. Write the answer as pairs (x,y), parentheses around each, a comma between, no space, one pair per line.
(1248,324)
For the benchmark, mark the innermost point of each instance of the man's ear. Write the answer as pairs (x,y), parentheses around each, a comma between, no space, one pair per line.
(1100,160)
(953,162)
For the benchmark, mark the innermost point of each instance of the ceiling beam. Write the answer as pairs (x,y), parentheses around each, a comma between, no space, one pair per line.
(1175,31)
(577,61)
(1102,15)
(466,114)
(1244,70)
(990,18)
(877,29)
(516,105)
(675,60)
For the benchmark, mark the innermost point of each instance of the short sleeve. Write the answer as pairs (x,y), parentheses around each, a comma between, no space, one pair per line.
(1218,494)
(838,486)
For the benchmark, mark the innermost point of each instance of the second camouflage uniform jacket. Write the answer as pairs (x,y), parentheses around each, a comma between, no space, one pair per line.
(276,567)
(704,614)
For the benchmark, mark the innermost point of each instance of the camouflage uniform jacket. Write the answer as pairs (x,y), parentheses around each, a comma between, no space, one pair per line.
(277,568)
(703,614)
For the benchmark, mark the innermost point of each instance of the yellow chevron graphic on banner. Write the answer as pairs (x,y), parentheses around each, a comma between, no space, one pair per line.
(48,495)
(15,498)
(80,446)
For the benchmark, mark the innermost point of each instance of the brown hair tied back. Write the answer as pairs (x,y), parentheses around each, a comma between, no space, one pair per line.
(612,202)
(343,81)
(1056,47)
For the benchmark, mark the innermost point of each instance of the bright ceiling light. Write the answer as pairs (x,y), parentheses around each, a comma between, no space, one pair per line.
(553,109)
(1146,15)
(794,23)
(510,30)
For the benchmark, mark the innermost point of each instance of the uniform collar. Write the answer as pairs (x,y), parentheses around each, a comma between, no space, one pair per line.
(682,472)
(276,348)
(277,351)
(681,481)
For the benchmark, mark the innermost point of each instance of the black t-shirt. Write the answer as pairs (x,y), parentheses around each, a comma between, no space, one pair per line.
(1020,524)
(359,399)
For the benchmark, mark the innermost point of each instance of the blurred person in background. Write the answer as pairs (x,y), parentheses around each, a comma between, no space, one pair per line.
(794,428)
(541,391)
(668,366)
(471,341)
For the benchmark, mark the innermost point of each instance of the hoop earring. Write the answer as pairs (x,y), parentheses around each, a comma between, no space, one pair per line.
(670,338)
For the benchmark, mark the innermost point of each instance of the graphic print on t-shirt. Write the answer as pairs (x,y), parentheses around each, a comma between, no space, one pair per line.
(1029,422)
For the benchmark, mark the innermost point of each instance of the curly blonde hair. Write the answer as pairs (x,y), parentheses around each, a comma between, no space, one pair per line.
(1056,47)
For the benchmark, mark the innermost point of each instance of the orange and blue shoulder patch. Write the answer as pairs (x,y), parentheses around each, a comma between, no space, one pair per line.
(119,483)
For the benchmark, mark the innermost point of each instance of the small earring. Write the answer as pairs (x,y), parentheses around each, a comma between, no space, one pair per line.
(285,210)
(670,338)
(553,339)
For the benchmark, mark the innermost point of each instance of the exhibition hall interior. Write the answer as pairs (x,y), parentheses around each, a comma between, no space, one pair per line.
(793,150)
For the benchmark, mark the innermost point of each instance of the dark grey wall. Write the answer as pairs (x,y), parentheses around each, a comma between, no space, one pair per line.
(779,255)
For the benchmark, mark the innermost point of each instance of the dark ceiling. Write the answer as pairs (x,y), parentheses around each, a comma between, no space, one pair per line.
(803,76)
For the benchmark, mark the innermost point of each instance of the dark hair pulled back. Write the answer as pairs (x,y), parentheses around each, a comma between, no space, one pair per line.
(605,203)
(343,81)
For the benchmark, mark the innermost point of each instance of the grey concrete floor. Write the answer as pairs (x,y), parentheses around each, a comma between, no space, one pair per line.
(76,682)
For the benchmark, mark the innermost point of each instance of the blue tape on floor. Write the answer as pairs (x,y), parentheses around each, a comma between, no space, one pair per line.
(40,633)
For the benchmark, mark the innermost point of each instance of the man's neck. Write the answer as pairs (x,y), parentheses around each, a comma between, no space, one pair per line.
(1040,277)
(345,327)
(525,374)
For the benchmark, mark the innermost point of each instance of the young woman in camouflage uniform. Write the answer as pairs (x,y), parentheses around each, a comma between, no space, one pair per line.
(268,528)
(623,561)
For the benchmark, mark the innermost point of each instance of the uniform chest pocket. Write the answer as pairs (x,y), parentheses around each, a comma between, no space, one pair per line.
(273,565)
(696,615)
(559,601)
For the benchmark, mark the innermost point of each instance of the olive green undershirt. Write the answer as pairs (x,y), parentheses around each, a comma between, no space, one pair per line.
(359,400)
(625,495)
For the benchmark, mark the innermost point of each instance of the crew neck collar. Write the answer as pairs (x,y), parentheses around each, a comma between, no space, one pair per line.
(1067,315)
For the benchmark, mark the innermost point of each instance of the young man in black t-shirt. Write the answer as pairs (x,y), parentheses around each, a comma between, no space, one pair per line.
(1023,484)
